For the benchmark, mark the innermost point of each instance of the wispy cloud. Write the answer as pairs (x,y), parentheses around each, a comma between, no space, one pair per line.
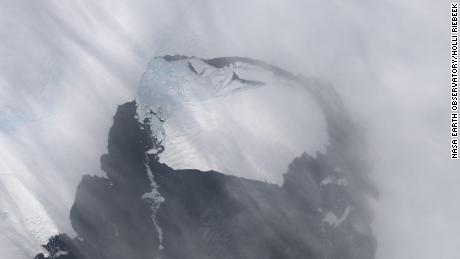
(66,65)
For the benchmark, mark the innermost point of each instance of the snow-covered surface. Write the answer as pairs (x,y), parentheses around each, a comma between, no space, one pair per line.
(253,127)
(22,216)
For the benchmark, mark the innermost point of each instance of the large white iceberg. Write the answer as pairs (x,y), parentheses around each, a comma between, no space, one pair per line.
(240,119)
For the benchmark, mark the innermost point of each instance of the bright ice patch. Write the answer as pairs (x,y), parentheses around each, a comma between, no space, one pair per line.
(21,214)
(240,119)
(156,199)
(331,219)
(334,180)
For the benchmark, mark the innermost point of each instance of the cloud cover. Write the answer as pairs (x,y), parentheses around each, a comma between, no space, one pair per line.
(66,65)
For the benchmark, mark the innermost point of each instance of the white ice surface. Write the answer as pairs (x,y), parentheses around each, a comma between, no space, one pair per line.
(334,180)
(22,216)
(331,219)
(156,199)
(252,132)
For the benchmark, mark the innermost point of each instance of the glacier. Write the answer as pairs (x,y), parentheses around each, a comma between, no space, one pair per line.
(240,119)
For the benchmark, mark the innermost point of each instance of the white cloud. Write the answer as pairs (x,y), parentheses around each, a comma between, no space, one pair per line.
(66,65)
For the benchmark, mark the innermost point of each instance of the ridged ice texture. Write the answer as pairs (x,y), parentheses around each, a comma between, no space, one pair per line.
(238,119)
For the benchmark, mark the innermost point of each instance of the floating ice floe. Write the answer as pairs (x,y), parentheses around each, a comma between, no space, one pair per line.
(341,181)
(239,119)
(331,219)
(156,199)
